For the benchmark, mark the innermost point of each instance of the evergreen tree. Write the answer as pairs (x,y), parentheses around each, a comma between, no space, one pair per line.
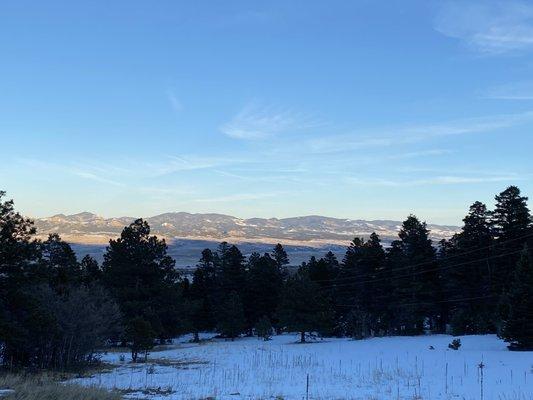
(394,262)
(202,295)
(19,250)
(331,261)
(362,263)
(231,322)
(303,308)
(322,271)
(511,218)
(19,262)
(517,327)
(60,262)
(416,278)
(232,270)
(467,273)
(263,328)
(91,272)
(280,256)
(511,222)
(253,259)
(264,282)
(140,336)
(143,280)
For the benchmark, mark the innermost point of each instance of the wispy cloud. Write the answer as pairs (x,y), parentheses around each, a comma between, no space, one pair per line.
(412,134)
(259,122)
(239,197)
(94,177)
(421,153)
(127,170)
(511,91)
(172,164)
(436,180)
(491,27)
(87,172)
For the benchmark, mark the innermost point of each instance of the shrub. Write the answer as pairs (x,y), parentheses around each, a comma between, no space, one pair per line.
(60,330)
(140,336)
(455,344)
(263,328)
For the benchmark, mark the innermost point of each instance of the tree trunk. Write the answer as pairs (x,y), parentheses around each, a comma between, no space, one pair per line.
(196,337)
(302,337)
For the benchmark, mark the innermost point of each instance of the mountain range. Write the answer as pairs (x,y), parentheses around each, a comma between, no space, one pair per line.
(86,227)
(188,233)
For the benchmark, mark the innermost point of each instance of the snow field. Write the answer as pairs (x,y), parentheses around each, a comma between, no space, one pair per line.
(396,368)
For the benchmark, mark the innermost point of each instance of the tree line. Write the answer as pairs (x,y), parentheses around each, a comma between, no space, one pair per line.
(57,311)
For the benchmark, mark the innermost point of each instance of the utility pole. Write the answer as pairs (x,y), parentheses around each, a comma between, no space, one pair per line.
(446,387)
(481,366)
(307,388)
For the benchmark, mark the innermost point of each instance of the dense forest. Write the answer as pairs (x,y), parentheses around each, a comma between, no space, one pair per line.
(57,311)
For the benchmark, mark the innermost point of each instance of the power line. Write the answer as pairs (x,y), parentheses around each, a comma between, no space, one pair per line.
(430,303)
(392,270)
(355,281)
(450,292)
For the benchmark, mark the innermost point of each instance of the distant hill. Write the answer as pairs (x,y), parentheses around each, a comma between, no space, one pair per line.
(89,228)
(188,233)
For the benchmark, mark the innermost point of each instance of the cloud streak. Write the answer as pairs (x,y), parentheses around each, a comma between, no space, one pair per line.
(437,180)
(239,197)
(494,27)
(255,122)
(413,134)
(511,91)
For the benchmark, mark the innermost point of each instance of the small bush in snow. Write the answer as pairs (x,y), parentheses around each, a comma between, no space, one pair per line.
(263,328)
(455,344)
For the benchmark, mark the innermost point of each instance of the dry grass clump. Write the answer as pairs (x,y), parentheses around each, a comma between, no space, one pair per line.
(45,387)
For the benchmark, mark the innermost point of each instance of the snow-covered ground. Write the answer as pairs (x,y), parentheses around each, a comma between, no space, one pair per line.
(375,369)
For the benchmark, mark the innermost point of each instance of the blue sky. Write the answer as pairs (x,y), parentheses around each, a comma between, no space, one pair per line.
(355,109)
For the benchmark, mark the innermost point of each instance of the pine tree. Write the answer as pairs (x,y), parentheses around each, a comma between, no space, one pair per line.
(20,320)
(18,246)
(264,282)
(511,222)
(303,308)
(361,265)
(60,263)
(202,293)
(467,273)
(140,336)
(331,261)
(231,322)
(416,278)
(91,272)
(232,271)
(280,256)
(263,328)
(143,280)
(322,271)
(511,218)
(517,327)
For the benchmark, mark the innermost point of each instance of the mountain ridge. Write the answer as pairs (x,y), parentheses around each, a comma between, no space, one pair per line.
(87,227)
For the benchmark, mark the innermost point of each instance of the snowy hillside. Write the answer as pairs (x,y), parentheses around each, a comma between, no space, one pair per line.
(379,368)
